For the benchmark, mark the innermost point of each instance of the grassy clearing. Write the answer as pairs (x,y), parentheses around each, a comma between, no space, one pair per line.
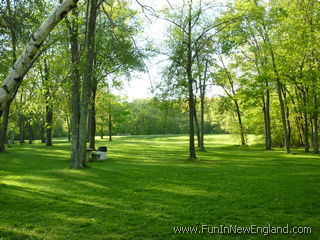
(146,188)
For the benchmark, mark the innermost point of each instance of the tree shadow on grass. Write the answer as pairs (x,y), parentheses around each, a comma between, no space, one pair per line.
(11,235)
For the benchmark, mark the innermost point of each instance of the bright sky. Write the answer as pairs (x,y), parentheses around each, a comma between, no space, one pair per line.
(140,85)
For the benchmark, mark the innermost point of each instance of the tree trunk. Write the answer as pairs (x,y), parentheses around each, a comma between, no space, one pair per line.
(197,127)
(3,133)
(87,81)
(43,139)
(288,124)
(69,130)
(75,161)
(92,117)
(202,99)
(192,151)
(30,133)
(49,118)
(243,141)
(101,132)
(49,105)
(202,87)
(279,86)
(21,129)
(306,128)
(268,143)
(110,127)
(22,65)
(315,139)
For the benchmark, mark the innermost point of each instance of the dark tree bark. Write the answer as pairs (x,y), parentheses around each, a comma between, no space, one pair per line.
(202,87)
(192,113)
(21,129)
(30,132)
(43,139)
(49,120)
(69,129)
(315,139)
(87,82)
(101,132)
(268,139)
(197,128)
(243,141)
(49,105)
(92,117)
(75,92)
(110,126)
(4,129)
(306,125)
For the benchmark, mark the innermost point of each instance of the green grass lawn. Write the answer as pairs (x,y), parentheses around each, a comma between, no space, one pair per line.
(146,188)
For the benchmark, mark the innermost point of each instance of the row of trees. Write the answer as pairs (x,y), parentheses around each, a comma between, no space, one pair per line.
(265,57)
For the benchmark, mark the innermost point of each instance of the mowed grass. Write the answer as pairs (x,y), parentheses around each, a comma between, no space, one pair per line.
(146,188)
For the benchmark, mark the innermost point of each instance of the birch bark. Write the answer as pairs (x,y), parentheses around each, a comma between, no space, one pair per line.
(21,66)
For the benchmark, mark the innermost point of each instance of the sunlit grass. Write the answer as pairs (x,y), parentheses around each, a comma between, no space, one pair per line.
(147,186)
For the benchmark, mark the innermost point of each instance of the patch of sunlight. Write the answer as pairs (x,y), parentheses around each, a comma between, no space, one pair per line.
(41,185)
(29,177)
(72,219)
(22,184)
(94,185)
(151,213)
(75,172)
(185,190)
(306,173)
(91,203)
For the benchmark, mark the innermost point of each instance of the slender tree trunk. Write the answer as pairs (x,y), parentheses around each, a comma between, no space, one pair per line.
(306,125)
(243,141)
(43,139)
(288,124)
(267,119)
(315,138)
(92,117)
(87,82)
(192,113)
(202,86)
(69,129)
(49,118)
(49,105)
(30,133)
(3,133)
(101,132)
(197,128)
(110,127)
(202,99)
(21,129)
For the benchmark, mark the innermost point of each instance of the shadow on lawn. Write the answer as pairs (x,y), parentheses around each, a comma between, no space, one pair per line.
(145,189)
